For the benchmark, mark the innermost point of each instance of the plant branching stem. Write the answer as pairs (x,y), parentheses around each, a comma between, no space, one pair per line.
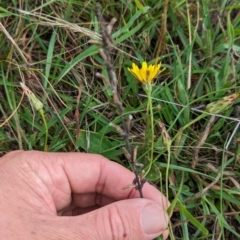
(105,53)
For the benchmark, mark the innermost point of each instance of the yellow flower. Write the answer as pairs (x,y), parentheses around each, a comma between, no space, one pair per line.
(146,73)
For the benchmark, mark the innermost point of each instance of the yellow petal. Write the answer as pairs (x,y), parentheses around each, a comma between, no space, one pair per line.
(146,73)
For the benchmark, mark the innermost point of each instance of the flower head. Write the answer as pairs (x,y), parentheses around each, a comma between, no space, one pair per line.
(146,73)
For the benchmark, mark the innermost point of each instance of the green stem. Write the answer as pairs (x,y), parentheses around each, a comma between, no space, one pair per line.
(188,125)
(46,129)
(168,166)
(150,111)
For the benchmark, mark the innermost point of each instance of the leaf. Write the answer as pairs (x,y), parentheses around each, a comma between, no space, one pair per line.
(175,200)
(141,7)
(154,173)
(84,54)
(4,13)
(93,142)
(191,218)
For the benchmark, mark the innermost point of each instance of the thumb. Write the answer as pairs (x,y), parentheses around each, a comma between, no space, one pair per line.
(139,219)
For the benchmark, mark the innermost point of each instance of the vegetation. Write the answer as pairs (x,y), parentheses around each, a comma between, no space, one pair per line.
(52,100)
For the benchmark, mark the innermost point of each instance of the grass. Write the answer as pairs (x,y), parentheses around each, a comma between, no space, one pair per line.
(53,48)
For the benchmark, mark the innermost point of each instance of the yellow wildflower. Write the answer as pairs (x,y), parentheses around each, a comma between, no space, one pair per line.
(146,73)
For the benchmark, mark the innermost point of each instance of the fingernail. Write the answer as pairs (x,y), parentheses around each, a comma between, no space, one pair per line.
(154,219)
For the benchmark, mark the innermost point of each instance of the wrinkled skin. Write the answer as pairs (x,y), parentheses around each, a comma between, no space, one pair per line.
(75,196)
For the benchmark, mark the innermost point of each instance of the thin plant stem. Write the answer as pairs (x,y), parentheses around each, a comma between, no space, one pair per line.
(46,129)
(38,106)
(168,166)
(167,142)
(150,112)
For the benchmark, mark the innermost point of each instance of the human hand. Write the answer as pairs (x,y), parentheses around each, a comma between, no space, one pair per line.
(37,187)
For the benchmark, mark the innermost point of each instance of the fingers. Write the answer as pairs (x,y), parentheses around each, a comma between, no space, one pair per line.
(57,179)
(82,174)
(133,219)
